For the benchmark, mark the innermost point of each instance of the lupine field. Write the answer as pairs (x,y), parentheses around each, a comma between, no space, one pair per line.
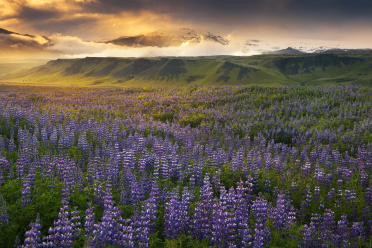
(227,166)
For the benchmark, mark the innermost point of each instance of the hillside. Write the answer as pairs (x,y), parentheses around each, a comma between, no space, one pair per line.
(311,69)
(287,51)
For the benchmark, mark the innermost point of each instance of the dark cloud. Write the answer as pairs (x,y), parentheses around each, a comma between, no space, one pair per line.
(218,14)
(35,15)
(227,11)
(16,42)
(270,21)
(252,43)
(331,11)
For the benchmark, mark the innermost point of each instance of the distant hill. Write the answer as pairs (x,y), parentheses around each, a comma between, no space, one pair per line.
(311,69)
(339,50)
(287,51)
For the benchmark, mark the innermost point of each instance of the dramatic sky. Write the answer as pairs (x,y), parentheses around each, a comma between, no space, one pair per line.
(79,28)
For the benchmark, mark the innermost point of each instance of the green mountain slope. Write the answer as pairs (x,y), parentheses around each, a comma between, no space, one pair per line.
(312,69)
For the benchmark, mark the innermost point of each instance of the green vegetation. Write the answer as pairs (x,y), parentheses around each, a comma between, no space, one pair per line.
(301,69)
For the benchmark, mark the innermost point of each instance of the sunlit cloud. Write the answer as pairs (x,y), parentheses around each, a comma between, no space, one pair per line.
(22,42)
(74,47)
(81,27)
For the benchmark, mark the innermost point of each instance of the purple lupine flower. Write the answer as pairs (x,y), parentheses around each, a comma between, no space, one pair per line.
(267,187)
(110,230)
(33,235)
(357,232)
(366,219)
(305,204)
(331,194)
(327,227)
(65,193)
(317,193)
(4,216)
(243,195)
(280,214)
(171,218)
(142,224)
(260,210)
(293,188)
(75,222)
(155,192)
(98,194)
(309,236)
(176,215)
(17,243)
(151,208)
(368,196)
(363,178)
(89,220)
(127,234)
(184,212)
(291,218)
(341,238)
(26,192)
(203,210)
(61,235)
(4,168)
(223,227)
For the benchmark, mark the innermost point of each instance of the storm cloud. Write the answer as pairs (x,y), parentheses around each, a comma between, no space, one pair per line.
(238,11)
(226,14)
(276,23)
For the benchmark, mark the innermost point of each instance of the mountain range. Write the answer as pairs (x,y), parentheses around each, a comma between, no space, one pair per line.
(310,69)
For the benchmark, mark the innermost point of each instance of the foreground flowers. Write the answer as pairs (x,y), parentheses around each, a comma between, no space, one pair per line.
(220,166)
